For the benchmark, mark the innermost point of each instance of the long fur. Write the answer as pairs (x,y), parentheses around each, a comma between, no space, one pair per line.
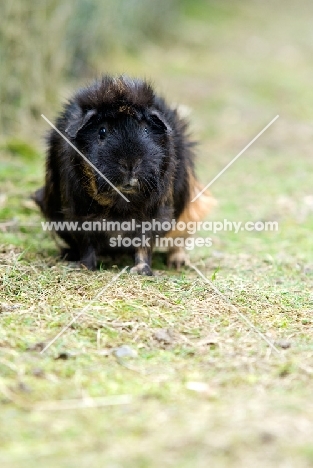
(141,145)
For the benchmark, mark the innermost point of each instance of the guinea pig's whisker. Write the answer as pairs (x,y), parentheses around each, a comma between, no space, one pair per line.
(145,189)
(88,211)
(148,184)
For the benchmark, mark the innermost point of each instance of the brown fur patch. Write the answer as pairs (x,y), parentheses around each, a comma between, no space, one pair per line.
(197,210)
(126,110)
(91,187)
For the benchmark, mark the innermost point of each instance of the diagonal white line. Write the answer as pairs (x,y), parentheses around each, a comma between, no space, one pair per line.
(233,160)
(83,156)
(74,319)
(253,327)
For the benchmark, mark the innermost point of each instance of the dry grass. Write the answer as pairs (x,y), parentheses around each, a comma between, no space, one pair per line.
(201,385)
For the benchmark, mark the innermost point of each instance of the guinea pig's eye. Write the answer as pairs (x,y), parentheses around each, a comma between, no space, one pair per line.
(144,126)
(102,133)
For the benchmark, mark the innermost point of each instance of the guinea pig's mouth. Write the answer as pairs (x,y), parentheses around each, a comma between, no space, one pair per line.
(131,186)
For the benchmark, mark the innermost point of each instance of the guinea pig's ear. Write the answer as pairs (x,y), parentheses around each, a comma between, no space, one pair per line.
(78,120)
(158,122)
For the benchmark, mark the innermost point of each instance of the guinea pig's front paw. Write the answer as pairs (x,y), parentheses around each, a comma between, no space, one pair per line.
(177,258)
(142,269)
(88,259)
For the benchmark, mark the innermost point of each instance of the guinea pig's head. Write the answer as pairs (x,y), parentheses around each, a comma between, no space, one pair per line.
(127,140)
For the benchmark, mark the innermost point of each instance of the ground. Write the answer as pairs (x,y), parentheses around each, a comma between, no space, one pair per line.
(164,371)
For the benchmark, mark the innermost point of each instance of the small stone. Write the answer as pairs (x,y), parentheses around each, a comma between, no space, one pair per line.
(284,344)
(125,351)
(37,372)
(22,387)
(162,334)
(36,347)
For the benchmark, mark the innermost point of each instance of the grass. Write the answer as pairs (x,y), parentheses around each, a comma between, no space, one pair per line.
(200,387)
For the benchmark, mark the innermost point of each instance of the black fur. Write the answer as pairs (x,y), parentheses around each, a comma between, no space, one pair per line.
(145,152)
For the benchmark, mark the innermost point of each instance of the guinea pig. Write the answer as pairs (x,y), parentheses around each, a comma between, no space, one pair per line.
(127,156)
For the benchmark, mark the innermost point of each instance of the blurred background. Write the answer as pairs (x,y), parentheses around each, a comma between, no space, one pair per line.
(233,64)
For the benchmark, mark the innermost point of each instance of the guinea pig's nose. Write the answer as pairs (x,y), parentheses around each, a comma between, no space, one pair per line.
(133,182)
